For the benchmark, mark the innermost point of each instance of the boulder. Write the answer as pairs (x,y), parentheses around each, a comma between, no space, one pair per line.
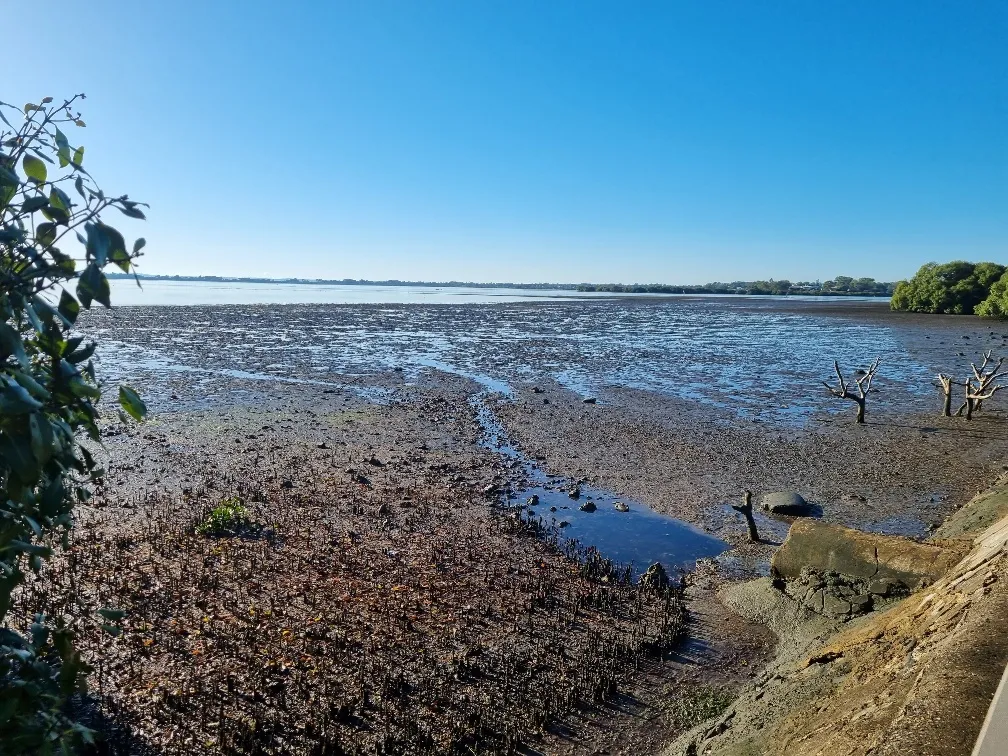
(867,556)
(588,506)
(790,503)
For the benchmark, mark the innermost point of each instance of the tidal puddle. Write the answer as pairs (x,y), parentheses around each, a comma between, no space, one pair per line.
(636,537)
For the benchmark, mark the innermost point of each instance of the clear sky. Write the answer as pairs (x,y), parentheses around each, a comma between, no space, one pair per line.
(675,142)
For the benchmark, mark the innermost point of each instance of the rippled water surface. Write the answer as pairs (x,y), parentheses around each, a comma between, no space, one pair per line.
(749,359)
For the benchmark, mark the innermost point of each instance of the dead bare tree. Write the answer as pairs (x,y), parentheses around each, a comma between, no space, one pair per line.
(983,385)
(746,509)
(863,384)
(945,383)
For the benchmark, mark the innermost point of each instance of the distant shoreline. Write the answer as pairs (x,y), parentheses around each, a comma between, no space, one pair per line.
(740,288)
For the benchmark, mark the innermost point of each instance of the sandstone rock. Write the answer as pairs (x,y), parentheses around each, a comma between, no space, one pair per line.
(790,503)
(868,556)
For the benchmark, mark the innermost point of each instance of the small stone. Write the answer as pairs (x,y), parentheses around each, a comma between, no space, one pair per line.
(564,523)
(621,507)
(861,604)
(536,390)
(589,400)
(814,600)
(321,445)
(880,587)
(532,500)
(588,506)
(574,492)
(835,606)
(553,509)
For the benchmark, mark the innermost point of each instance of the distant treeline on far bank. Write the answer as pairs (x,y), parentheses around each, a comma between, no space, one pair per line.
(841,286)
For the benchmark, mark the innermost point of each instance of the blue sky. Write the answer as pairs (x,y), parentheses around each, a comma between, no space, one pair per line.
(531,141)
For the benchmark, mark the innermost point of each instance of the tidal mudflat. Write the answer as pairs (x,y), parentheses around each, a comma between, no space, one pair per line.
(390,585)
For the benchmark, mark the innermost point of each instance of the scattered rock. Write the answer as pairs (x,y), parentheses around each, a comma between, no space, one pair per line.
(589,400)
(619,506)
(789,503)
(588,506)
(654,577)
(536,390)
(574,492)
(532,500)
(553,509)
(287,483)
(321,445)
(564,523)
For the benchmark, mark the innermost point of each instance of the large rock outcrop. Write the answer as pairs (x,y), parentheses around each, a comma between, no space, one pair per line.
(821,547)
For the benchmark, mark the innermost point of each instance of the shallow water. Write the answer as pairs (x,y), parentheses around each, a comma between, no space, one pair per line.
(762,362)
(636,538)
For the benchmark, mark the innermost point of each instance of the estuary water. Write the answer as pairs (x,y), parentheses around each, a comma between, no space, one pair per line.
(751,357)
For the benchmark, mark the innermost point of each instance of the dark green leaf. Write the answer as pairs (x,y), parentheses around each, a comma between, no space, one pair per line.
(15,399)
(34,204)
(11,345)
(93,285)
(132,211)
(45,233)
(132,403)
(69,307)
(98,243)
(82,354)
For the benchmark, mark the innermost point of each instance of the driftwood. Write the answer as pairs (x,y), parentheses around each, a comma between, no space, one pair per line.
(746,509)
(945,383)
(983,385)
(863,384)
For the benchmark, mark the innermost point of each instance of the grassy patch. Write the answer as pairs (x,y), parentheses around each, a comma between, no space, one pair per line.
(227,518)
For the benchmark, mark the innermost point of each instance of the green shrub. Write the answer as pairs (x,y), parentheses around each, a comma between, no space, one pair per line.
(48,396)
(955,288)
(227,518)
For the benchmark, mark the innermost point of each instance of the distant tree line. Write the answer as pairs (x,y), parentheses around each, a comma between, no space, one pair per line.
(955,288)
(841,286)
(349,282)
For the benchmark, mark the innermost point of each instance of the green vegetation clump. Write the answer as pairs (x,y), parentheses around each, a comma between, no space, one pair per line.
(954,288)
(48,400)
(227,518)
(996,304)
